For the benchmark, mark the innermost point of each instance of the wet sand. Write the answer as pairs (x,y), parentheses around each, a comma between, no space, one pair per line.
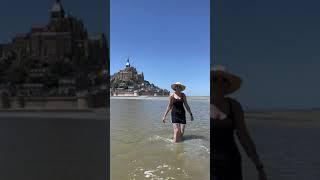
(287,142)
(51,146)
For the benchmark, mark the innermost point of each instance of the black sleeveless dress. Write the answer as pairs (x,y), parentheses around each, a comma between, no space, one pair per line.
(225,158)
(178,113)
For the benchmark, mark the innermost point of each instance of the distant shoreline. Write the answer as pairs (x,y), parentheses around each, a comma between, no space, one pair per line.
(46,110)
(158,97)
(282,110)
(58,114)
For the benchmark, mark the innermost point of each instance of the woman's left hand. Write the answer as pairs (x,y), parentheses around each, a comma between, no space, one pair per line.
(192,118)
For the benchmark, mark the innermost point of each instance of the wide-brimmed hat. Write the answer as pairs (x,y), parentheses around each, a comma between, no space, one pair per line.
(173,86)
(234,80)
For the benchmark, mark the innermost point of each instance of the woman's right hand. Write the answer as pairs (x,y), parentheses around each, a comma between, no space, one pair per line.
(164,119)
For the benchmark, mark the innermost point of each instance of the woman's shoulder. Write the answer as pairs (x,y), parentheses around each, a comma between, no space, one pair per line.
(235,102)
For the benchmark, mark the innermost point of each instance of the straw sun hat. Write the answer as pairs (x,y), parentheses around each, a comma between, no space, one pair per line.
(234,80)
(182,87)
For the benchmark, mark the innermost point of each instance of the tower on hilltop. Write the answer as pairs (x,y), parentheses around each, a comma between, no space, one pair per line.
(57,10)
(128,63)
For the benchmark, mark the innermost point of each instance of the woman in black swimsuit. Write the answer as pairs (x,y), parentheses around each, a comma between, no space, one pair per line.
(227,117)
(177,101)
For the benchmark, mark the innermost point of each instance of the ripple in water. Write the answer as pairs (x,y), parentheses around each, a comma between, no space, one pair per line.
(194,144)
(161,172)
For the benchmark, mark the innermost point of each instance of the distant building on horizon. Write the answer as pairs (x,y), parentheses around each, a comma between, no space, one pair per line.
(128,82)
(59,59)
(127,74)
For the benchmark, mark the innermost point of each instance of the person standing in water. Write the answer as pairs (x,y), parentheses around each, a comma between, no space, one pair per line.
(177,104)
(227,117)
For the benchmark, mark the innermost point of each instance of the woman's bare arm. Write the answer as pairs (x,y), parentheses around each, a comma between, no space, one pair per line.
(169,107)
(243,134)
(186,104)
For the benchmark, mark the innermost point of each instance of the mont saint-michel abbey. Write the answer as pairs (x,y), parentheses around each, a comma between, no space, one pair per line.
(128,82)
(129,73)
(59,59)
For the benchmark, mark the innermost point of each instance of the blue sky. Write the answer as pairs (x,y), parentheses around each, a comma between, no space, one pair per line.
(18,16)
(274,46)
(169,40)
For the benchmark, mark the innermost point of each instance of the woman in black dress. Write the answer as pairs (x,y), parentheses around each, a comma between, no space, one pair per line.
(176,104)
(227,117)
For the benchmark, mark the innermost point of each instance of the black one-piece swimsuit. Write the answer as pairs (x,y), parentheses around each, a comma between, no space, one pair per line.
(225,158)
(178,113)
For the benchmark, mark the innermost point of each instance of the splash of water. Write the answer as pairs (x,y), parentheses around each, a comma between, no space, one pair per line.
(194,143)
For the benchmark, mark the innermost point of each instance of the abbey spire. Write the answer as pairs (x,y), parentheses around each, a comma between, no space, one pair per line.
(57,10)
(128,63)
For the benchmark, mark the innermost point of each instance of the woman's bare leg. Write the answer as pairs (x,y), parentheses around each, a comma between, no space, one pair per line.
(182,127)
(179,137)
(176,132)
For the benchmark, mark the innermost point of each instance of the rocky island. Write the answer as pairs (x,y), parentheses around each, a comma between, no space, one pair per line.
(57,65)
(128,82)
